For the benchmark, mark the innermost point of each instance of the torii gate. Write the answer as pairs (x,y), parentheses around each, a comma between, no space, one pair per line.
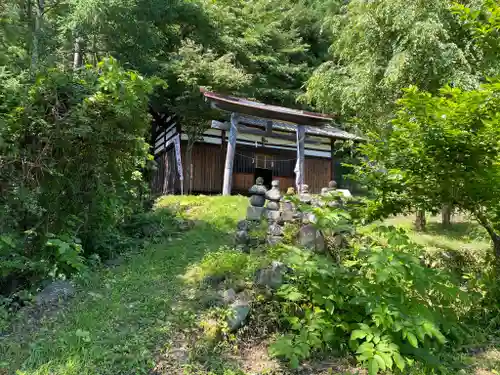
(255,112)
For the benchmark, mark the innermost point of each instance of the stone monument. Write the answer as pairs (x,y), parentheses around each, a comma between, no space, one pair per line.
(256,210)
(242,238)
(275,231)
(332,187)
(289,213)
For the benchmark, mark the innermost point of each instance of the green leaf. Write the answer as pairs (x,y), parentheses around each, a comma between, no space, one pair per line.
(387,359)
(380,360)
(364,356)
(366,346)
(294,362)
(372,367)
(412,339)
(294,296)
(358,334)
(399,360)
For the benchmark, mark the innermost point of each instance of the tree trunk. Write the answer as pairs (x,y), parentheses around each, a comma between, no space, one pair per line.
(77,53)
(495,238)
(35,52)
(496,249)
(420,221)
(446,215)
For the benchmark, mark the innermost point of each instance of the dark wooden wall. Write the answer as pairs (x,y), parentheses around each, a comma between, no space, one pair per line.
(208,168)
(318,172)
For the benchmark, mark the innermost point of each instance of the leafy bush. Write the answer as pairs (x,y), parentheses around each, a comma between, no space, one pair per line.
(72,145)
(377,301)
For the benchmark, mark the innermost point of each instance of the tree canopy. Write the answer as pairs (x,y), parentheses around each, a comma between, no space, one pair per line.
(380,47)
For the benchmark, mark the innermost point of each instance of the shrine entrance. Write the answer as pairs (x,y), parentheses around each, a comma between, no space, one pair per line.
(266,174)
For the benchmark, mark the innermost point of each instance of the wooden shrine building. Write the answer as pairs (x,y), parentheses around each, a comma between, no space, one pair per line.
(254,139)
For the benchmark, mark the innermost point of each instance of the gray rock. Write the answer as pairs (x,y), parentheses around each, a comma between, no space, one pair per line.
(274,240)
(238,314)
(210,298)
(287,215)
(255,213)
(55,292)
(332,187)
(213,280)
(311,238)
(274,194)
(242,225)
(272,276)
(304,195)
(180,355)
(305,198)
(273,206)
(228,296)
(257,200)
(275,230)
(308,217)
(289,212)
(242,237)
(274,215)
(258,188)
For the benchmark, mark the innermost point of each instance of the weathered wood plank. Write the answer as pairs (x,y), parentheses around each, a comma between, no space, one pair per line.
(301,136)
(231,147)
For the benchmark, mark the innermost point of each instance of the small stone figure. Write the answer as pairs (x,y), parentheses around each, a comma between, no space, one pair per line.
(274,194)
(273,206)
(289,212)
(311,238)
(258,192)
(331,192)
(332,187)
(242,237)
(257,200)
(275,232)
(304,195)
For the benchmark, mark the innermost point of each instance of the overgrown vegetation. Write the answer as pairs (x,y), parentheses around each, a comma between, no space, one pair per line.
(72,150)
(416,78)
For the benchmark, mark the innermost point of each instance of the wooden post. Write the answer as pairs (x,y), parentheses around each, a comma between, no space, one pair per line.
(231,147)
(332,161)
(301,138)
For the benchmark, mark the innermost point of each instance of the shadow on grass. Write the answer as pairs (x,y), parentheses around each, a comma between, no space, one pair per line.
(461,231)
(121,316)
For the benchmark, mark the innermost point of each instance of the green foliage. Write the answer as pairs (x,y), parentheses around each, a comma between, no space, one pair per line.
(483,23)
(380,47)
(378,301)
(442,148)
(72,146)
(226,262)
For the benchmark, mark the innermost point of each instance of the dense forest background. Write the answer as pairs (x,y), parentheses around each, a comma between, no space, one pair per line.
(81,79)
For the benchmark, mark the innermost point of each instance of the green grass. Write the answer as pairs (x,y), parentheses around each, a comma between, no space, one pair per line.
(463,234)
(122,317)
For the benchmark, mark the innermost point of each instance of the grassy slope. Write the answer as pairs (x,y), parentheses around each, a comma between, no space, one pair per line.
(122,316)
(464,234)
(125,315)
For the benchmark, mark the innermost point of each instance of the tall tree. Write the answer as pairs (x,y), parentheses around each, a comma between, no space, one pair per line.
(382,46)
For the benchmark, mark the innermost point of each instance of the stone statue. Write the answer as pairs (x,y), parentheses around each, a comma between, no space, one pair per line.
(304,195)
(332,187)
(258,193)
